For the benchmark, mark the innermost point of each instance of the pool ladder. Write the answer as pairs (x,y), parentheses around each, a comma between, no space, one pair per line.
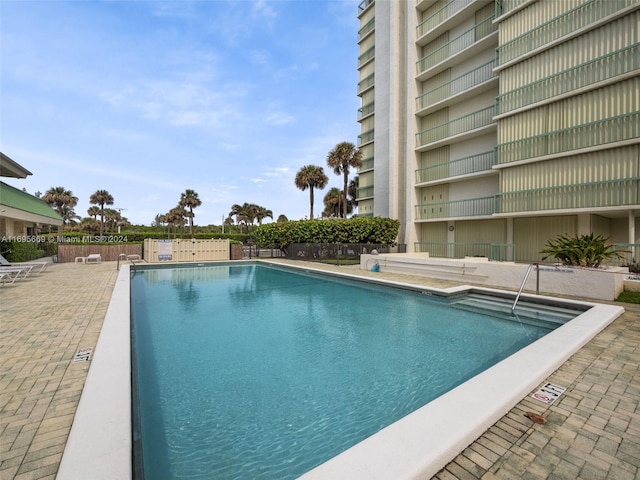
(524,280)
(126,257)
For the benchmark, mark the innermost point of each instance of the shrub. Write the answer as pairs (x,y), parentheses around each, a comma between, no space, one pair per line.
(375,230)
(584,250)
(15,251)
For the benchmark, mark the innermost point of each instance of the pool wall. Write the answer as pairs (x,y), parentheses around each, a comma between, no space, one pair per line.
(417,446)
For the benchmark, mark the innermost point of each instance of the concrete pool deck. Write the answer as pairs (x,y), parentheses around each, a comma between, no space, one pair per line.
(592,431)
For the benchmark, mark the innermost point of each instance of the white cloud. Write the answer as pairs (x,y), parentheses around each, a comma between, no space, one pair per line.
(279,118)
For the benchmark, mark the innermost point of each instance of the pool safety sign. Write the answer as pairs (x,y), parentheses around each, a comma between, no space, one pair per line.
(548,393)
(82,355)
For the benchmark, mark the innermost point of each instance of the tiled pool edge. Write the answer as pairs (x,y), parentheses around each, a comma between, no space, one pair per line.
(98,446)
(100,442)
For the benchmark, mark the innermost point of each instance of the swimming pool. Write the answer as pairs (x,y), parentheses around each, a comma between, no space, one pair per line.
(253,371)
(418,445)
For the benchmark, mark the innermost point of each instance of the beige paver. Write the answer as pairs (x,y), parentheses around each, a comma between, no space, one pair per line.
(592,431)
(44,320)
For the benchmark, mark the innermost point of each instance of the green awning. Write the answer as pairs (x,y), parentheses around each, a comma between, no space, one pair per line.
(16,199)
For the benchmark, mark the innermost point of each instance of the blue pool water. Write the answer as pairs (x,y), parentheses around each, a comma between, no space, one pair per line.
(251,371)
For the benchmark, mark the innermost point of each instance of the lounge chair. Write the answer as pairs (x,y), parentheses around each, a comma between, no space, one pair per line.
(16,271)
(93,257)
(5,263)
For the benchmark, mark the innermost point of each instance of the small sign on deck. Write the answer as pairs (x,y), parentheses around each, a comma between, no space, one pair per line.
(548,393)
(82,355)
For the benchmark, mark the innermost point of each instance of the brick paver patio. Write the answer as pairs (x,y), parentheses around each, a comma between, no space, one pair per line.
(592,431)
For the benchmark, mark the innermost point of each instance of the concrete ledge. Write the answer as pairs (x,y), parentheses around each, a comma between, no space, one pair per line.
(596,283)
(100,442)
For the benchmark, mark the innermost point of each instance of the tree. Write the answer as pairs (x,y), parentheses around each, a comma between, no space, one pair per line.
(282,218)
(93,212)
(189,199)
(344,156)
(333,201)
(262,213)
(311,176)
(62,201)
(102,198)
(111,219)
(175,218)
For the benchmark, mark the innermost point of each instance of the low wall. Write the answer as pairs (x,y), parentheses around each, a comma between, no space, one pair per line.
(592,283)
(109,253)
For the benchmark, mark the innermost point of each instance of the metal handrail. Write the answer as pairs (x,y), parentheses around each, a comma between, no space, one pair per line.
(524,280)
(126,256)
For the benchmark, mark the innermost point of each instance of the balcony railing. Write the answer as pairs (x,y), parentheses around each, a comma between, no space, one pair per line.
(457,126)
(463,166)
(365,110)
(368,27)
(608,66)
(456,45)
(505,6)
(581,16)
(609,193)
(364,192)
(364,4)
(500,252)
(365,83)
(607,130)
(457,85)
(456,209)
(367,164)
(447,11)
(365,137)
(366,56)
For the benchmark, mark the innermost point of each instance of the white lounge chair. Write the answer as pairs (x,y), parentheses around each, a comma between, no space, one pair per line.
(16,271)
(5,263)
(93,257)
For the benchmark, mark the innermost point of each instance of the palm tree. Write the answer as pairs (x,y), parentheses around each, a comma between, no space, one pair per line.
(311,176)
(102,198)
(111,217)
(262,213)
(344,156)
(189,199)
(62,201)
(175,218)
(282,218)
(333,203)
(93,212)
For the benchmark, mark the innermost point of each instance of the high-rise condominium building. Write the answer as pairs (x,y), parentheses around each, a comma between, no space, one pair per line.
(489,127)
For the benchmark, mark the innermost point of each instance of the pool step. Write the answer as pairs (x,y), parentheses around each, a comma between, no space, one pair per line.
(526,312)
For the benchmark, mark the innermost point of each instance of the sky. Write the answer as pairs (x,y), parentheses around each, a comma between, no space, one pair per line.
(145,99)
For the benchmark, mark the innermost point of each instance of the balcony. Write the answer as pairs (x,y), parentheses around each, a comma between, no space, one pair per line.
(608,193)
(601,132)
(481,162)
(365,137)
(568,23)
(455,46)
(367,164)
(500,252)
(366,56)
(366,110)
(367,29)
(364,192)
(456,86)
(609,66)
(473,207)
(366,83)
(364,5)
(457,126)
(505,6)
(439,17)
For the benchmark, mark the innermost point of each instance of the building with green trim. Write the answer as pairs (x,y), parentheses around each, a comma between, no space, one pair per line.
(21,214)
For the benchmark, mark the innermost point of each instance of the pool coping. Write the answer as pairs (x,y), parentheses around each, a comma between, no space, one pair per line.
(418,445)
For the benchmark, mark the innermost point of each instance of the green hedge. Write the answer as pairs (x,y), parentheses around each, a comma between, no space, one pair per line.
(15,251)
(356,230)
